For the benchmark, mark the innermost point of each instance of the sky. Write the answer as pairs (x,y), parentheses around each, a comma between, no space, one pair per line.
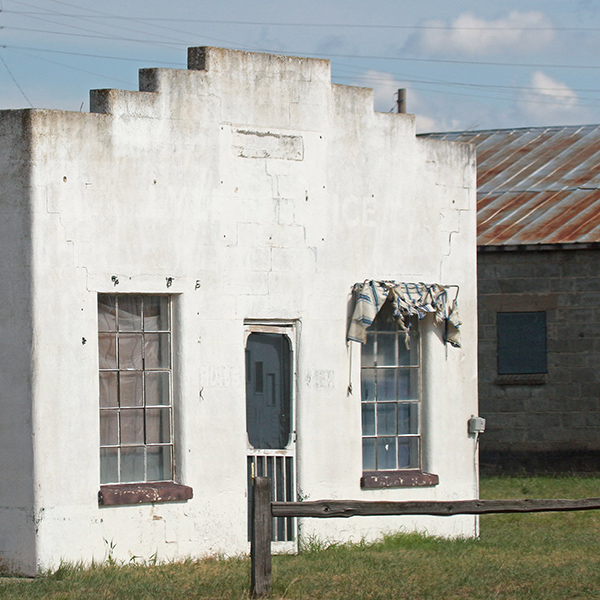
(466,64)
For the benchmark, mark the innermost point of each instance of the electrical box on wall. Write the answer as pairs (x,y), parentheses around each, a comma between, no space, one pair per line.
(476,425)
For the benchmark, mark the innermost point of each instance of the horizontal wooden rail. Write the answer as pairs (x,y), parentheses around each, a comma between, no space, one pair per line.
(366,508)
(265,510)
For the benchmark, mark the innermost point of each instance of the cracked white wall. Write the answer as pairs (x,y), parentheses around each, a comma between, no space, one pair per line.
(264,192)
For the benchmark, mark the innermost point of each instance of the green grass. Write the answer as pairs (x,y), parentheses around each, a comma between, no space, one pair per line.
(542,556)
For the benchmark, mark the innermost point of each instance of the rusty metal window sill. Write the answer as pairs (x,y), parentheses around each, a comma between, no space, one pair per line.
(395,479)
(143,493)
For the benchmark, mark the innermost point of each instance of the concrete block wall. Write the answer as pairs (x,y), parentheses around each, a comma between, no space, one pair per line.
(553,425)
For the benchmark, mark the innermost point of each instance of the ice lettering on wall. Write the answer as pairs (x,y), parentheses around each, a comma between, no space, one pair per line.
(220,376)
(320,378)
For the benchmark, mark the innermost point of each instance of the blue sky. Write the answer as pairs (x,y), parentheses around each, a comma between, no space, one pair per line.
(466,64)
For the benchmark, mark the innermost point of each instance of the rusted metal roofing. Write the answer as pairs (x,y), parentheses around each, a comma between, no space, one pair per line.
(536,185)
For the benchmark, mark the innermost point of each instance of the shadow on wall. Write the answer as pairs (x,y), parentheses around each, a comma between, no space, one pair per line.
(538,463)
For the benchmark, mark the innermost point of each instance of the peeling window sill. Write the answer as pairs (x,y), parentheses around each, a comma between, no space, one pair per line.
(143,493)
(522,379)
(395,479)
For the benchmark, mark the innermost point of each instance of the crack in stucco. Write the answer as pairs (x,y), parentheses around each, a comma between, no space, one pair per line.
(448,252)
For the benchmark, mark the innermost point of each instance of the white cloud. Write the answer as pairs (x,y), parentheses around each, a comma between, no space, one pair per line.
(471,35)
(550,102)
(549,88)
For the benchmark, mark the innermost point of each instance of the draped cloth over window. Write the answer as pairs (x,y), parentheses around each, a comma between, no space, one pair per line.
(408,300)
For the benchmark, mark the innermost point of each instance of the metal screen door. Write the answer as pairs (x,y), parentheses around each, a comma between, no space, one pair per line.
(269,421)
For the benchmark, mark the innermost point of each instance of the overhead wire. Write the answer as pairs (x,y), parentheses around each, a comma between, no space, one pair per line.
(134,19)
(175,44)
(109,77)
(170,40)
(509,88)
(318,25)
(16,82)
(528,98)
(179,43)
(403,77)
(87,55)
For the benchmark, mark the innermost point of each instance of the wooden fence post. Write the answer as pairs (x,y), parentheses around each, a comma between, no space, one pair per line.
(260,546)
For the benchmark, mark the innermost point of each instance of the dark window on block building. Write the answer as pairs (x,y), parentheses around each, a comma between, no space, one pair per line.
(521,343)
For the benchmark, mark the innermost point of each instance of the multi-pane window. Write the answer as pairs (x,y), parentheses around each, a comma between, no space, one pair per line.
(521,343)
(136,420)
(391,396)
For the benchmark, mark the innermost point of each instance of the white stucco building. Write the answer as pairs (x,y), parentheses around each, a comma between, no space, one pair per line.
(176,270)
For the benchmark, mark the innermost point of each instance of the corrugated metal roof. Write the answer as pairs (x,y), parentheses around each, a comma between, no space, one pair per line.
(536,185)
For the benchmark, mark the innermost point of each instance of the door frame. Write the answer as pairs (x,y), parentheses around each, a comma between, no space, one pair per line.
(290,329)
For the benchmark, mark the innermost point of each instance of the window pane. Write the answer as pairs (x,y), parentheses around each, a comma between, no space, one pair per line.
(408,356)
(109,465)
(132,464)
(391,411)
(386,453)
(259,380)
(386,349)
(386,384)
(130,313)
(156,313)
(109,427)
(521,343)
(367,385)
(107,350)
(108,389)
(158,426)
(157,388)
(408,418)
(132,426)
(367,351)
(135,387)
(130,389)
(369,454)
(157,351)
(385,320)
(368,419)
(408,384)
(408,453)
(130,351)
(106,313)
(159,463)
(386,418)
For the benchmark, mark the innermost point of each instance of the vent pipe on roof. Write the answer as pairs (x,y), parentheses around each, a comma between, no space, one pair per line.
(401,102)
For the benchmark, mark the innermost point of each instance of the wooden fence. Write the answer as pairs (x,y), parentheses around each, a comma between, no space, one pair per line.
(264,510)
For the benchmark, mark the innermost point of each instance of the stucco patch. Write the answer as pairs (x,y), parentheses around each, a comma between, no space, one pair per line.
(258,144)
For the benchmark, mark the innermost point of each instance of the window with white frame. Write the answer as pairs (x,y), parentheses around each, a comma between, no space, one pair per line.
(391,395)
(136,407)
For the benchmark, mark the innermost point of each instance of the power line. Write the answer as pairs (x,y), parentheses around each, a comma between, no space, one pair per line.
(332,55)
(102,56)
(508,88)
(88,18)
(315,25)
(60,24)
(16,82)
(557,102)
(422,83)
(74,68)
(451,61)
(372,78)
(403,77)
